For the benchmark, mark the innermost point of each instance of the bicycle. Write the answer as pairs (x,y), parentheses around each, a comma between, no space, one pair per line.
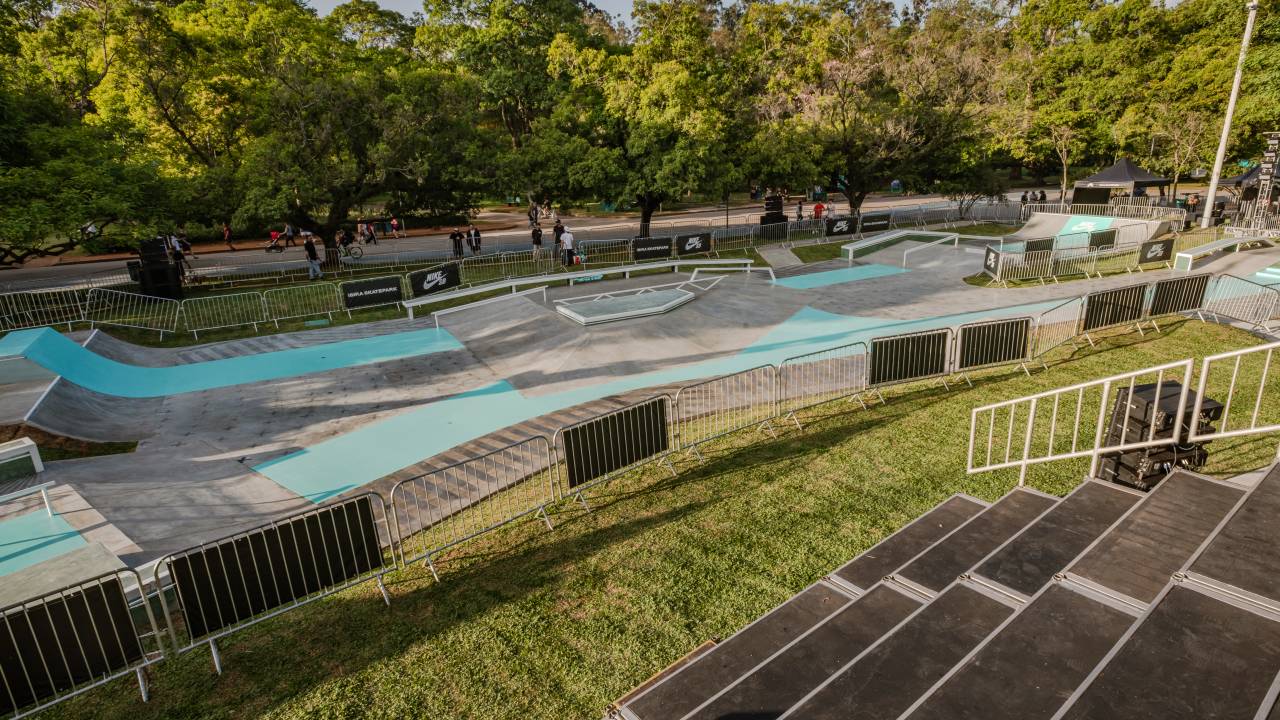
(353,251)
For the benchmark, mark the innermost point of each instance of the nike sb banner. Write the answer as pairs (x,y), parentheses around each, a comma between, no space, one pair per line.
(839,226)
(1156,251)
(434,280)
(991,264)
(693,244)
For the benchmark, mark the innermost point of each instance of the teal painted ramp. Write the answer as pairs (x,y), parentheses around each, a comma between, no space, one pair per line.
(349,461)
(59,355)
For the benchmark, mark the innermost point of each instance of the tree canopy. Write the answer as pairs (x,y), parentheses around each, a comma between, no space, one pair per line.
(121,118)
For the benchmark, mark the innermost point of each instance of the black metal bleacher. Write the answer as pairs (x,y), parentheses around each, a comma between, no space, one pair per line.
(886,680)
(678,693)
(1209,646)
(1029,667)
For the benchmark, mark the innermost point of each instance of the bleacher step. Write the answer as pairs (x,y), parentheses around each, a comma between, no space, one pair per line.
(681,692)
(1053,643)
(773,687)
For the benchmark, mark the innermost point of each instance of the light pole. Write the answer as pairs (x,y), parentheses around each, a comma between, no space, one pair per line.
(1231,109)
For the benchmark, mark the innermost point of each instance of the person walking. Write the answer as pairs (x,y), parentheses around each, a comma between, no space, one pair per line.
(226,235)
(557,231)
(799,211)
(395,228)
(456,238)
(818,210)
(473,239)
(175,250)
(566,241)
(1043,197)
(1023,199)
(533,214)
(290,234)
(313,257)
(537,241)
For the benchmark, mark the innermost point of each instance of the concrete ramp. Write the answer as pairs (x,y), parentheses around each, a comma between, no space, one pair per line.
(75,412)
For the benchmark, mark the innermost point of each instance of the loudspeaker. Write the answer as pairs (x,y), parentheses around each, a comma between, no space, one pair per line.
(161,281)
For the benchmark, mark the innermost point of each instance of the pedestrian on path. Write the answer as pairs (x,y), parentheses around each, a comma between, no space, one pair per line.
(473,239)
(290,234)
(1043,197)
(313,257)
(566,241)
(456,238)
(1024,198)
(226,235)
(799,211)
(395,229)
(534,213)
(557,231)
(537,241)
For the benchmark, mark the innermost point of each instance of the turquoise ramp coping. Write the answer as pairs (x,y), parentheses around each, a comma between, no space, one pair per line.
(33,538)
(58,354)
(836,277)
(354,459)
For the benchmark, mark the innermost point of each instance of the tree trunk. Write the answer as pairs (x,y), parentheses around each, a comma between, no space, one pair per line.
(648,205)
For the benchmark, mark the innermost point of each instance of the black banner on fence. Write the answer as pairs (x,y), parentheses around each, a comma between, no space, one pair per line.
(875,222)
(434,280)
(597,447)
(1102,240)
(908,357)
(81,636)
(650,248)
(1156,251)
(840,226)
(228,582)
(1179,295)
(693,244)
(1114,307)
(993,343)
(1038,245)
(991,263)
(374,291)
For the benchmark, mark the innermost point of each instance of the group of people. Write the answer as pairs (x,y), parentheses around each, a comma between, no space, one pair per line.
(1033,197)
(819,210)
(564,242)
(472,236)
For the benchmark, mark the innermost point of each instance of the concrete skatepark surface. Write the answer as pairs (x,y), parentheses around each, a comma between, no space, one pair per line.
(223,458)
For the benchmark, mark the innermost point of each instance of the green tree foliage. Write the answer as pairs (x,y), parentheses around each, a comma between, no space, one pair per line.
(132,117)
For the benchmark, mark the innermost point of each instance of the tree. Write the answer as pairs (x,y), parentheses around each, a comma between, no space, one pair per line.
(1182,139)
(1066,142)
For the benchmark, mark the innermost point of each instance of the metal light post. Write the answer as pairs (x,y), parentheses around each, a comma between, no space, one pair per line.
(1231,109)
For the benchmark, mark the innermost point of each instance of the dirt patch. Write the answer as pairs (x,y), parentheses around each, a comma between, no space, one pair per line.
(59,447)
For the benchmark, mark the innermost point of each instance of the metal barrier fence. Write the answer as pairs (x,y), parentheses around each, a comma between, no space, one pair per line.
(226,585)
(1248,386)
(820,377)
(595,451)
(604,252)
(443,508)
(1238,299)
(714,408)
(1133,212)
(63,643)
(1026,431)
(224,311)
(910,357)
(112,307)
(303,301)
(1057,326)
(991,343)
(41,307)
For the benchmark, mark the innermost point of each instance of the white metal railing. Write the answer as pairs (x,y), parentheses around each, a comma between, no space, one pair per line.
(145,312)
(714,408)
(1057,326)
(1247,385)
(1134,212)
(443,508)
(1069,422)
(542,290)
(1243,300)
(303,301)
(224,311)
(41,307)
(820,377)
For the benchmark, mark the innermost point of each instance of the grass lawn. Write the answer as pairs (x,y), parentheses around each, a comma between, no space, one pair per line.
(992,229)
(530,623)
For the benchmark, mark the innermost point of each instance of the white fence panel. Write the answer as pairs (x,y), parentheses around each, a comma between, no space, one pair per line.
(224,311)
(714,408)
(112,307)
(44,307)
(303,301)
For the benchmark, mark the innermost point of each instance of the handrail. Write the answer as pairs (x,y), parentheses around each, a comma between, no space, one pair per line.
(953,237)
(470,306)
(542,279)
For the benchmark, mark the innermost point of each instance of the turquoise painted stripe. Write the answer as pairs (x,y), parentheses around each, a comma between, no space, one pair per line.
(379,449)
(88,369)
(33,538)
(836,277)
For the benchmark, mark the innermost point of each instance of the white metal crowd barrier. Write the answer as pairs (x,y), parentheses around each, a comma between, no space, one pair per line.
(714,408)
(303,301)
(144,312)
(60,644)
(1057,326)
(42,307)
(1238,299)
(225,585)
(224,311)
(820,377)
(443,508)
(1133,212)
(1069,422)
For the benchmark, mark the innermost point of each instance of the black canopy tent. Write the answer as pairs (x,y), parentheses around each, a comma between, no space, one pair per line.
(1124,175)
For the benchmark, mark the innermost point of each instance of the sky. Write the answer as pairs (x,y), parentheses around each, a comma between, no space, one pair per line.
(408,7)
